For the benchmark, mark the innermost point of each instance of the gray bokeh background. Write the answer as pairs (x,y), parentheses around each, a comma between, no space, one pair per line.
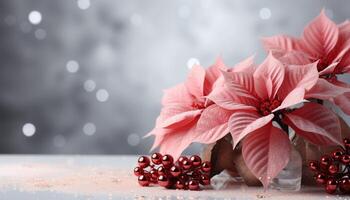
(89,75)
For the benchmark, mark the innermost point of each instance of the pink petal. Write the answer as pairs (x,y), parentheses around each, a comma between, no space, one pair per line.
(227,99)
(212,125)
(212,74)
(344,26)
(325,90)
(295,97)
(246,65)
(345,63)
(177,95)
(157,130)
(303,76)
(320,36)
(281,44)
(242,85)
(176,142)
(315,123)
(268,77)
(180,119)
(266,152)
(242,123)
(157,141)
(343,43)
(195,81)
(296,58)
(171,110)
(341,84)
(343,101)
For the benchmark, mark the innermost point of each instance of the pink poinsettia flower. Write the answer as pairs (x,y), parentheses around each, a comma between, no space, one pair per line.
(185,106)
(322,41)
(258,99)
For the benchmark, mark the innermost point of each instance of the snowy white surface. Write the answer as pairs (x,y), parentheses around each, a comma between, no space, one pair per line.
(110,177)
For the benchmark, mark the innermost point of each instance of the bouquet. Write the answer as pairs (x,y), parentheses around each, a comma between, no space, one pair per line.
(258,105)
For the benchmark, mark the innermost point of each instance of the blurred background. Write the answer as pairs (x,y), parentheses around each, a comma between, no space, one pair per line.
(86,76)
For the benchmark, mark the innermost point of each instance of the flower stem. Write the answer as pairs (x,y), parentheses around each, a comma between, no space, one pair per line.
(283,126)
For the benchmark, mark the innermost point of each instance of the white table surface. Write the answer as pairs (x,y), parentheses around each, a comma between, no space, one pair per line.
(110,177)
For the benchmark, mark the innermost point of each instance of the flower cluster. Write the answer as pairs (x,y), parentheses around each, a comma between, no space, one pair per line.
(185,173)
(259,104)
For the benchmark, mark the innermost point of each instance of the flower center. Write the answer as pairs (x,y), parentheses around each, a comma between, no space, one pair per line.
(267,106)
(198,105)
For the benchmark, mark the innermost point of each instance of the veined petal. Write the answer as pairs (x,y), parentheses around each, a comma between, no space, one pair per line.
(228,99)
(241,86)
(343,101)
(157,141)
(343,43)
(296,58)
(181,119)
(345,63)
(195,81)
(281,44)
(177,95)
(246,66)
(320,36)
(212,125)
(170,111)
(242,123)
(325,90)
(298,76)
(177,141)
(296,96)
(266,152)
(315,123)
(268,77)
(212,74)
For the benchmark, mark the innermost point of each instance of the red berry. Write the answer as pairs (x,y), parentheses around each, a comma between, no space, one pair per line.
(163,181)
(143,161)
(138,171)
(175,171)
(143,180)
(167,161)
(206,167)
(321,179)
(337,154)
(196,174)
(333,169)
(179,185)
(153,173)
(186,185)
(313,165)
(196,160)
(156,158)
(181,159)
(344,185)
(193,185)
(345,159)
(183,177)
(162,171)
(186,164)
(331,186)
(205,179)
(325,161)
(346,142)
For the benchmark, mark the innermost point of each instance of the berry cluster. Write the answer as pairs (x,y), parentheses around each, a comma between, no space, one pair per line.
(186,173)
(333,170)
